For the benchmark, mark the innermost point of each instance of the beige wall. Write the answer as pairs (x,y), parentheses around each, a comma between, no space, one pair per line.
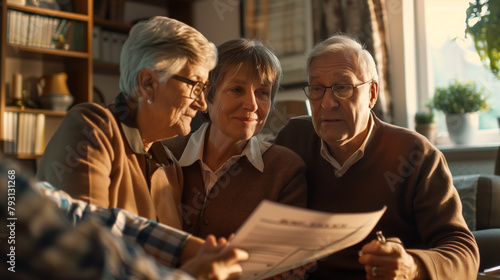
(218,20)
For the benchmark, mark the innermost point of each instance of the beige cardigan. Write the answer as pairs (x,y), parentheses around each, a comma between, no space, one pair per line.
(97,155)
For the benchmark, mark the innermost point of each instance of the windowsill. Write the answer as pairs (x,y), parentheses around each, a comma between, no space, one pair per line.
(476,158)
(485,140)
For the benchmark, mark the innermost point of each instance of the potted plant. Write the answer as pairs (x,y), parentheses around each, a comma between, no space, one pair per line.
(461,102)
(425,124)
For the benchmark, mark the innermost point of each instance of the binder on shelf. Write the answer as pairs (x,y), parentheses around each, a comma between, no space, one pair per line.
(106,46)
(9,27)
(21,134)
(115,48)
(31,31)
(16,22)
(96,46)
(23,32)
(32,134)
(13,132)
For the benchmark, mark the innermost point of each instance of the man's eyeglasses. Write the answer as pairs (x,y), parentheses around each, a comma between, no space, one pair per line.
(342,91)
(197,87)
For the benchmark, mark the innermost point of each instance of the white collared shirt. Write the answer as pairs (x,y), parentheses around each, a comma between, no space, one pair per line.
(194,152)
(357,155)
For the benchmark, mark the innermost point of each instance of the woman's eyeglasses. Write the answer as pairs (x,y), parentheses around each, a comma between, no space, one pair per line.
(197,87)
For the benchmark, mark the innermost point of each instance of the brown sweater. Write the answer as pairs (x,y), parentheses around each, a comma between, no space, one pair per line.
(402,170)
(97,155)
(238,192)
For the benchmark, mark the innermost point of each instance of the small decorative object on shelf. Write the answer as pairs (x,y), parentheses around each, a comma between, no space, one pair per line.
(425,125)
(17,91)
(55,92)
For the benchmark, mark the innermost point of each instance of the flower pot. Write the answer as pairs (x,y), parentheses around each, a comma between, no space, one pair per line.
(428,130)
(462,127)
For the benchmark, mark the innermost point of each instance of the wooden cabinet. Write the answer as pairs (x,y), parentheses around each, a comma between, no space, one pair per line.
(33,61)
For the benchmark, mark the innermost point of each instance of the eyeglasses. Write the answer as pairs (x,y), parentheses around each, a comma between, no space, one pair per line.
(342,91)
(198,87)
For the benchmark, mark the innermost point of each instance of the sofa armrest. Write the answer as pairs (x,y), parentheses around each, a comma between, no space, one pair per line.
(480,196)
(488,202)
(488,242)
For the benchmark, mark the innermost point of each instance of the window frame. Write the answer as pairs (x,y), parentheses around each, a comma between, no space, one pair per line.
(410,65)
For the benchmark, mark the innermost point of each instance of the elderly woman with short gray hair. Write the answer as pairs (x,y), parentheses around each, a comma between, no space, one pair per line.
(110,156)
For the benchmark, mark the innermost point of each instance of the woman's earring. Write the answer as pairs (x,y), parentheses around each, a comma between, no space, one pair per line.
(150,100)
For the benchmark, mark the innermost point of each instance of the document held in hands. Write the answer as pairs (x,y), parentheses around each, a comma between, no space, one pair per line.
(280,237)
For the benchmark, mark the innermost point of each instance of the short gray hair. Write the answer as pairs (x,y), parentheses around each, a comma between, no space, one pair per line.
(348,45)
(163,44)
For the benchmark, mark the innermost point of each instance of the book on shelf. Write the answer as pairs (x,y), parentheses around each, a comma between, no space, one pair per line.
(23,133)
(16,2)
(36,30)
(96,46)
(10,132)
(39,134)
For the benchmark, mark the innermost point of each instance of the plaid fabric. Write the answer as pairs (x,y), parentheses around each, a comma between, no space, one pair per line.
(40,241)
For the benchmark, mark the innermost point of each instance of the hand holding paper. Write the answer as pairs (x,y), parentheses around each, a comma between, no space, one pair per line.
(279,237)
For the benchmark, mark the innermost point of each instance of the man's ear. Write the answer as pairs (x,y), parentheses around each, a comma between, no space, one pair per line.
(373,94)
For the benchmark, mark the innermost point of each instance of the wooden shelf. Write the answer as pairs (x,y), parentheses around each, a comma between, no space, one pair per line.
(46,112)
(19,156)
(36,52)
(113,25)
(49,12)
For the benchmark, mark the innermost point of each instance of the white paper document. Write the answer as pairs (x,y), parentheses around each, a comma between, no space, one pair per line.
(279,237)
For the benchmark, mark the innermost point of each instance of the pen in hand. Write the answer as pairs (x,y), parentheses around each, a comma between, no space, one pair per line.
(381,238)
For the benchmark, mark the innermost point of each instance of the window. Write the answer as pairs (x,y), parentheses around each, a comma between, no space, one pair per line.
(453,56)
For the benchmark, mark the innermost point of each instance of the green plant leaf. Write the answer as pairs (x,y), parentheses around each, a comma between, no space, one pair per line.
(483,24)
(460,97)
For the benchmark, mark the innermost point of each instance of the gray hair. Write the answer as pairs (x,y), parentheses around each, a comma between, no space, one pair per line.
(243,52)
(163,44)
(349,45)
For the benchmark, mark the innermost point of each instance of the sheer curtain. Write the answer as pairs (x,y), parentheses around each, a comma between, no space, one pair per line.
(367,20)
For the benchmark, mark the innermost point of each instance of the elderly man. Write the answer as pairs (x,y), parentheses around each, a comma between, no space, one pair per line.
(358,163)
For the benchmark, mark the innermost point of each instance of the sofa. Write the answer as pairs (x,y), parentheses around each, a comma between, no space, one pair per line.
(480,196)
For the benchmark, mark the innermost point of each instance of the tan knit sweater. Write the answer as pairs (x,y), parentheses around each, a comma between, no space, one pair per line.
(98,156)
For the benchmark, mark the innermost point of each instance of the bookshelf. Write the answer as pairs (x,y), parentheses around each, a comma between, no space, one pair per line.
(110,23)
(32,59)
(33,62)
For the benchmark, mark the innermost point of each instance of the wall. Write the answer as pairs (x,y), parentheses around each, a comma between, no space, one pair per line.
(218,20)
